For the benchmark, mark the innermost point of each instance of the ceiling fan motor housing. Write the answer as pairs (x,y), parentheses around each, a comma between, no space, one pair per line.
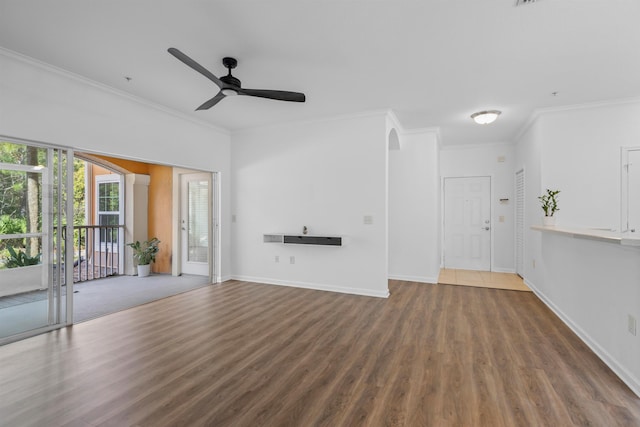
(230,63)
(230,80)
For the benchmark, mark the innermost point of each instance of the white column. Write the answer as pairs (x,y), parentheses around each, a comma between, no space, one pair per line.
(136,215)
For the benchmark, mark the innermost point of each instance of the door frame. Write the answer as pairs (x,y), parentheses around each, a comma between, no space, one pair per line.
(442,215)
(214,230)
(624,187)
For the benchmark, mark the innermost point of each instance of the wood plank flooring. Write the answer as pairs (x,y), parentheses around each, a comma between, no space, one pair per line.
(482,279)
(245,354)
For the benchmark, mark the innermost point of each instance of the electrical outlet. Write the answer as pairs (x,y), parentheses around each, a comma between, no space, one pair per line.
(631,324)
(534,263)
(501,218)
(292,260)
(277,258)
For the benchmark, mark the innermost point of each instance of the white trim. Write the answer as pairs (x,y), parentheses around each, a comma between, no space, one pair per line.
(109,179)
(395,122)
(624,186)
(418,279)
(588,105)
(515,217)
(215,232)
(476,146)
(435,130)
(15,167)
(77,77)
(314,286)
(503,270)
(527,125)
(572,107)
(40,144)
(627,377)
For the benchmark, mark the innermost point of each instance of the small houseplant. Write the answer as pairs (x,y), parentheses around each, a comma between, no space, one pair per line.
(549,206)
(144,254)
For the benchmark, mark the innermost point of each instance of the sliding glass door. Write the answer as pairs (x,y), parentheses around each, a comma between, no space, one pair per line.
(36,191)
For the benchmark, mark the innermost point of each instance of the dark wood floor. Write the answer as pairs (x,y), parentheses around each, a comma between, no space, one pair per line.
(243,354)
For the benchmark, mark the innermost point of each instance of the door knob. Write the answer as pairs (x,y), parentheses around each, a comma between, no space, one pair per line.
(487,228)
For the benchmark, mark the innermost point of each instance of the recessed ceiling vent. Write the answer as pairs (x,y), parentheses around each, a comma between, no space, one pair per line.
(523,2)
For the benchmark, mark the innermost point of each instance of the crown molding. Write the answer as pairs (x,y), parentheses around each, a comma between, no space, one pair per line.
(416,131)
(391,115)
(478,145)
(588,105)
(108,89)
(535,115)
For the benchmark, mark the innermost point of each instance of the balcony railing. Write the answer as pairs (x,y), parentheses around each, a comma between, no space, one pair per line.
(97,250)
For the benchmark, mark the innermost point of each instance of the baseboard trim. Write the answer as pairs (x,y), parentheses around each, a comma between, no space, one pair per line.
(419,279)
(314,286)
(226,279)
(504,270)
(627,377)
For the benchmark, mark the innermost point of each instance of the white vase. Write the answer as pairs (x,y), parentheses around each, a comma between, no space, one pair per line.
(549,220)
(143,270)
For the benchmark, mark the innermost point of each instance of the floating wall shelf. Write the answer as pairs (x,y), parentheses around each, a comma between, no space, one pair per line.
(304,239)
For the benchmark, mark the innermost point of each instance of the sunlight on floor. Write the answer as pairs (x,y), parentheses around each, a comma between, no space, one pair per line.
(482,279)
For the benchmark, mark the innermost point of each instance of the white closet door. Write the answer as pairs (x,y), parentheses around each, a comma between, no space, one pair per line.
(520,222)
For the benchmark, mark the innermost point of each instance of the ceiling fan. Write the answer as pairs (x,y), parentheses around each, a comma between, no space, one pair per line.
(230,85)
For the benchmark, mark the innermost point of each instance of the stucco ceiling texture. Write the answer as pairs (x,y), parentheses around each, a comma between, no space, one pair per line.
(433,62)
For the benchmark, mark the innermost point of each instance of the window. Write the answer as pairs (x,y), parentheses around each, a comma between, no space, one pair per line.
(108,208)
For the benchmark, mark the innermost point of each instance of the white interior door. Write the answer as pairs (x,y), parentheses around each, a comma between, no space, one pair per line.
(467,223)
(195,221)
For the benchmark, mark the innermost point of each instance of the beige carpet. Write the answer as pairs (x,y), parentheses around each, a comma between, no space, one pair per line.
(482,279)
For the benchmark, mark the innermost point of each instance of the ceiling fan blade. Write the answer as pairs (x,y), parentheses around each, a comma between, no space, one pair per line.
(193,64)
(280,95)
(213,101)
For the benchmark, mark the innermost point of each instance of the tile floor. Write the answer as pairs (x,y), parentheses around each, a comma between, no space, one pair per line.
(482,279)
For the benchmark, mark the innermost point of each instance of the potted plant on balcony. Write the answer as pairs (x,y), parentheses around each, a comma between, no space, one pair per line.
(144,254)
(549,206)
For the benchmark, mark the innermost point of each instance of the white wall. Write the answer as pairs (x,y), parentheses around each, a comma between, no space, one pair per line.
(592,286)
(484,161)
(43,104)
(581,157)
(326,175)
(414,208)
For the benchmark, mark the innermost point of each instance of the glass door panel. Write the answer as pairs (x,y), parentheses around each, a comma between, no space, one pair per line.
(33,180)
(195,202)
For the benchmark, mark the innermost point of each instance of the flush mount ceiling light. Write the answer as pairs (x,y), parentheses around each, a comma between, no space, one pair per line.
(485,117)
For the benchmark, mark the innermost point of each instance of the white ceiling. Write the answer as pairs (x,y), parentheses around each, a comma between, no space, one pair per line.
(434,62)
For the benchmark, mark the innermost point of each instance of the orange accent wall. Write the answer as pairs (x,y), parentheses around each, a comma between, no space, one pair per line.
(130,165)
(160,205)
(160,211)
